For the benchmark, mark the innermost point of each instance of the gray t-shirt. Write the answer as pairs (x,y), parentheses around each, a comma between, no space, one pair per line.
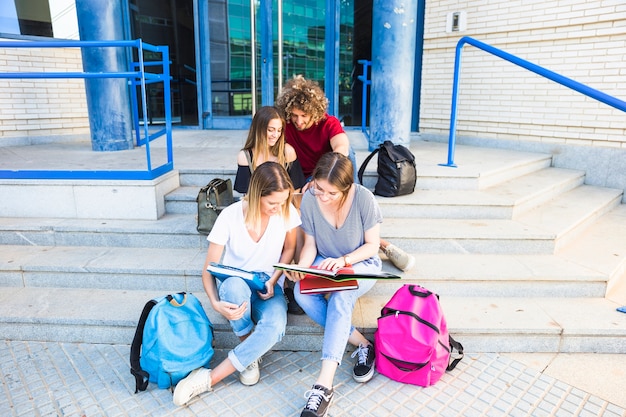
(331,242)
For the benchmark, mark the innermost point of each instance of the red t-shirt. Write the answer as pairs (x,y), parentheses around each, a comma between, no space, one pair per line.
(312,143)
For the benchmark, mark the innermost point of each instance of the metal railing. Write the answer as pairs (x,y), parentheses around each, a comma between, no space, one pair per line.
(553,76)
(366,82)
(137,78)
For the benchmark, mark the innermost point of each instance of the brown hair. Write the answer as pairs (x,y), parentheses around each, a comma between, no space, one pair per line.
(304,95)
(256,142)
(337,169)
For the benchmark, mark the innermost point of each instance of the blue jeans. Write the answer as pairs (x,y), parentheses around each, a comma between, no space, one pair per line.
(333,311)
(270,317)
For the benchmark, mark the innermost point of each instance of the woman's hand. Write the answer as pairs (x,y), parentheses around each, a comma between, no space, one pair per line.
(332,263)
(294,276)
(229,310)
(269,291)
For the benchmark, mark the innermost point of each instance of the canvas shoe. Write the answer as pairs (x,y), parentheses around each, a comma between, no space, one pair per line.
(197,382)
(399,258)
(251,374)
(363,369)
(318,401)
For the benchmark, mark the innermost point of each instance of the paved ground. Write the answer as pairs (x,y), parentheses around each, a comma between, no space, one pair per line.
(65,379)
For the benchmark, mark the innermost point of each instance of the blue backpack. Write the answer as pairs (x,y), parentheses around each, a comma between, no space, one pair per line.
(173,337)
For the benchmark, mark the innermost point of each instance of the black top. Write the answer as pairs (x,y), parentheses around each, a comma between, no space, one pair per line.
(242,178)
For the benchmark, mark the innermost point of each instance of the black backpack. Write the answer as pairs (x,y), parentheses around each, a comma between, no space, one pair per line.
(397,174)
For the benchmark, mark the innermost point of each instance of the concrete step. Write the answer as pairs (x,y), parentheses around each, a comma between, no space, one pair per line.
(602,248)
(478,168)
(170,231)
(180,270)
(489,324)
(536,232)
(539,231)
(502,201)
(584,204)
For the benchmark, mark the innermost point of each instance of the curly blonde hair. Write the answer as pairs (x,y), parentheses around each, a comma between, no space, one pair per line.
(304,95)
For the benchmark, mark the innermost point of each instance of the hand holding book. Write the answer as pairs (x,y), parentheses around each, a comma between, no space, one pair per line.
(340,274)
(256,280)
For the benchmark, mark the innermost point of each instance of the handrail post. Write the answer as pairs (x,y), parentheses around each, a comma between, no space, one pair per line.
(366,82)
(165,56)
(453,105)
(142,78)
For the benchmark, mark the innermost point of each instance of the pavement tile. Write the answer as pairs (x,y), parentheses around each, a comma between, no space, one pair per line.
(75,379)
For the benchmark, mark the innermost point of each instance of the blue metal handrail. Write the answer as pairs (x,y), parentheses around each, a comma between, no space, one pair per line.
(138,78)
(558,78)
(363,78)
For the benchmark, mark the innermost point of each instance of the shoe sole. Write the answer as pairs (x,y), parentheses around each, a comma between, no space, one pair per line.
(180,386)
(364,378)
(248,383)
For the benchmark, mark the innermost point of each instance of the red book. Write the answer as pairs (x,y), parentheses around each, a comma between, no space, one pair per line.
(312,284)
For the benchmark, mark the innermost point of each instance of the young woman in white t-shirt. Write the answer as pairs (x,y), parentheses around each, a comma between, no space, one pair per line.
(252,234)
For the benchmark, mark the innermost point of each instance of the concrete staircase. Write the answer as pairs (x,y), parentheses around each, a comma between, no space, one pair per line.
(525,258)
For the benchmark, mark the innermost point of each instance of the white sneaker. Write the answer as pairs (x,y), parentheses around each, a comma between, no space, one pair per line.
(399,258)
(197,382)
(251,374)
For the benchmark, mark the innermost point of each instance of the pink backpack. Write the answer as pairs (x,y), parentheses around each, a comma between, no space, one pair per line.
(412,343)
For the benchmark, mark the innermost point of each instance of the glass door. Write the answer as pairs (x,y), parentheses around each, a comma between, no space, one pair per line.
(171,23)
(234,49)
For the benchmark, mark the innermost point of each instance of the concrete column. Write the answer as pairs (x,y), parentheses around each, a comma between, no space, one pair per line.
(108,101)
(393,62)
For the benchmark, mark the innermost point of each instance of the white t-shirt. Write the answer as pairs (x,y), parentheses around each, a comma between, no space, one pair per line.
(240,250)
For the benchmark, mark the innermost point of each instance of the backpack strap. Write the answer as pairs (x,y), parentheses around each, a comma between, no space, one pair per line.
(457,357)
(141,376)
(248,153)
(364,164)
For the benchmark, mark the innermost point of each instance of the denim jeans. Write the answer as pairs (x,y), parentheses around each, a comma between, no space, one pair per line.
(270,317)
(333,311)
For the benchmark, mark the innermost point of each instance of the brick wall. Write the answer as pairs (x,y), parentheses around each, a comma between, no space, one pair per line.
(41,107)
(581,39)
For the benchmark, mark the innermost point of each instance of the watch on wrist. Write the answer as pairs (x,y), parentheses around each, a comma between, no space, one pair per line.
(346,261)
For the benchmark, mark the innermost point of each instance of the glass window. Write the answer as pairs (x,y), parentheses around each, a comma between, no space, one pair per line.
(49,18)
(303,50)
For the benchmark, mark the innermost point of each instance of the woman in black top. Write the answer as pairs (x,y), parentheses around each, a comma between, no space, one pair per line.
(266,142)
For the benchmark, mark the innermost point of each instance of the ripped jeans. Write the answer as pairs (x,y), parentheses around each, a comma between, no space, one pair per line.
(268,318)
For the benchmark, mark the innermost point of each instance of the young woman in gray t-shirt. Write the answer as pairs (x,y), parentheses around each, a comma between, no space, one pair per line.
(341,224)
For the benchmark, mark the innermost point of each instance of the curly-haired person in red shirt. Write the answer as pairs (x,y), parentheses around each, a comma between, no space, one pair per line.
(312,132)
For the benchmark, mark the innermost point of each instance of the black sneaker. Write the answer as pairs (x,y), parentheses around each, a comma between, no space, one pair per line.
(318,401)
(292,305)
(364,367)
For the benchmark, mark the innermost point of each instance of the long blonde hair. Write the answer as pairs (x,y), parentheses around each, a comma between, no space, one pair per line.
(257,144)
(267,178)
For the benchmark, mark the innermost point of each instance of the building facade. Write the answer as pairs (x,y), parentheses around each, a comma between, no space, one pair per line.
(212,53)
